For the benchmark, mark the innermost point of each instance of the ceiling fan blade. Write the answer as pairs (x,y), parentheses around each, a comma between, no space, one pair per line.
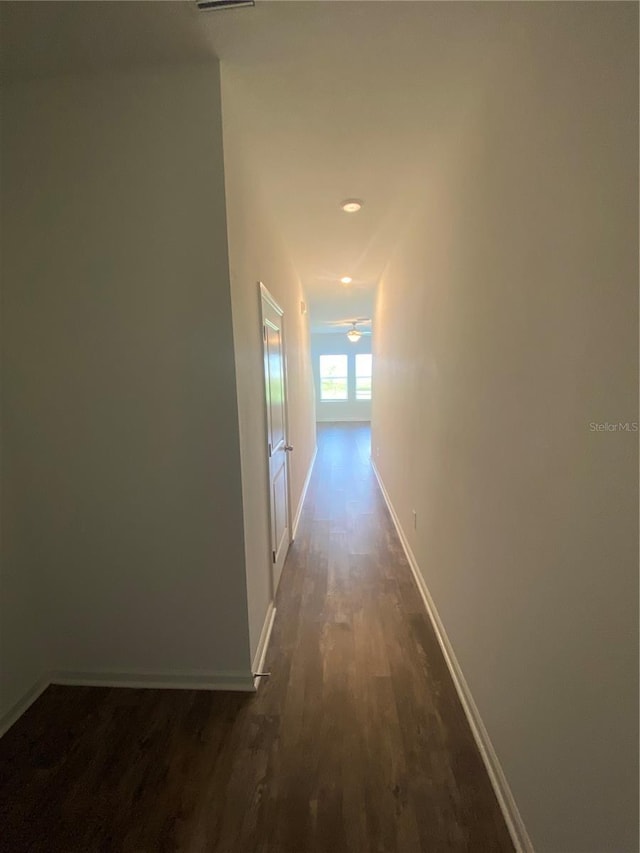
(347,322)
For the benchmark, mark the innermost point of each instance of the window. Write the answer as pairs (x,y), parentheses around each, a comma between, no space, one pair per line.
(333,377)
(345,377)
(363,376)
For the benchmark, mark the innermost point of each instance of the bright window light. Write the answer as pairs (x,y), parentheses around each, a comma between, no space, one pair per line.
(333,377)
(363,376)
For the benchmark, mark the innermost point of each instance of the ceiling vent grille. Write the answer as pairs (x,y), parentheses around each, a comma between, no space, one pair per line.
(211,5)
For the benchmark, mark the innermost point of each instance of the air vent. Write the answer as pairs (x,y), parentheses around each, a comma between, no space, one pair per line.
(210,5)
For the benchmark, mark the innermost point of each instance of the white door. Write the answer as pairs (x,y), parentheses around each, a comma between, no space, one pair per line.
(277,447)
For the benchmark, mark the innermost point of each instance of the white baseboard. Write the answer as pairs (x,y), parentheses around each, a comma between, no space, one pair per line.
(17,710)
(236,681)
(356,419)
(505,798)
(263,645)
(296,520)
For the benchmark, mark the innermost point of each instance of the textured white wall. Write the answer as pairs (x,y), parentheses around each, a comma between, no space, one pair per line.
(258,253)
(119,401)
(505,325)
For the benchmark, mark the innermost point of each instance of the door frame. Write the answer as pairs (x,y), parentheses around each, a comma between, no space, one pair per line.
(264,295)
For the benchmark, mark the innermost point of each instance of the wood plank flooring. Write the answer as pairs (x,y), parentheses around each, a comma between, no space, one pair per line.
(357,742)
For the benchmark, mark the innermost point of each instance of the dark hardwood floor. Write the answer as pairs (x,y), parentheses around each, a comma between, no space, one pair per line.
(356,743)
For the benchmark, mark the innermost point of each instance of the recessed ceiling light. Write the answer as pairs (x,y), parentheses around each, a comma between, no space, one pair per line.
(346,279)
(208,5)
(351,205)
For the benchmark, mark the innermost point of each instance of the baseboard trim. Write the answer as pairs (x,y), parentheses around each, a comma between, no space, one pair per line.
(263,645)
(234,681)
(506,801)
(296,520)
(17,710)
(334,420)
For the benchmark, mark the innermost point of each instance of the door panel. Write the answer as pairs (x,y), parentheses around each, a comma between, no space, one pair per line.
(280,525)
(275,375)
(276,410)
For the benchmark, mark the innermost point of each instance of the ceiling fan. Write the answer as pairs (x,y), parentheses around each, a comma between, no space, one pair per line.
(353,334)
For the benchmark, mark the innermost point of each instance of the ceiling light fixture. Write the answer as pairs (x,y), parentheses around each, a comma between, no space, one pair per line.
(351,205)
(354,335)
(346,279)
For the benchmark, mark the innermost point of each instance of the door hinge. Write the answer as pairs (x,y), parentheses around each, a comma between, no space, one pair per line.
(273,554)
(264,333)
(269,450)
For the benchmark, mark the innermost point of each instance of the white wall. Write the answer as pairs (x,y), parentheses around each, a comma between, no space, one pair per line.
(339,410)
(258,253)
(23,617)
(119,402)
(505,325)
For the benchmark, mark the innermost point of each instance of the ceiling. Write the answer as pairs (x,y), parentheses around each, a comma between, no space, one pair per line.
(332,99)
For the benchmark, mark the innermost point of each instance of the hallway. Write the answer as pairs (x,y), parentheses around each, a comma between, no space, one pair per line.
(376,752)
(357,741)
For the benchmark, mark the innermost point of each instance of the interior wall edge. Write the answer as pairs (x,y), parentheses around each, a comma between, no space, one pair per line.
(499,782)
(23,704)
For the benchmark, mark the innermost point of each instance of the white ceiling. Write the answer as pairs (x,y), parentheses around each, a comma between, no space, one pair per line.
(333,99)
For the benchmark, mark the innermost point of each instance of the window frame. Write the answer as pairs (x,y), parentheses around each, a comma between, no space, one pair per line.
(351,377)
